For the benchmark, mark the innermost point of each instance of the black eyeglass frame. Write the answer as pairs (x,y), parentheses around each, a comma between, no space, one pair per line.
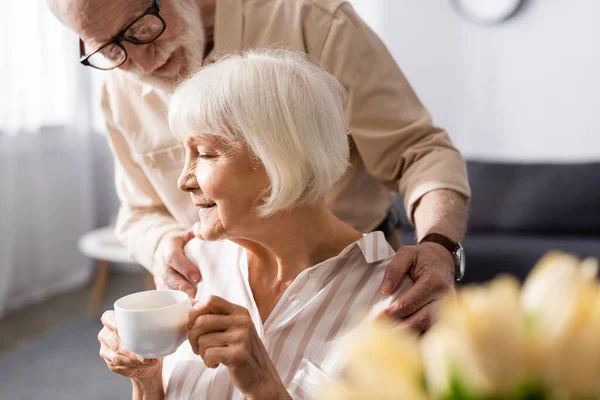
(154,10)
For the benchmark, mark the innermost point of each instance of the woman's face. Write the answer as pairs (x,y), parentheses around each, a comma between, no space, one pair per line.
(226,185)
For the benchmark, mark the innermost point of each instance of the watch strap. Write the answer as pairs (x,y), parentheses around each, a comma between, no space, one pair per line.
(450,245)
(445,241)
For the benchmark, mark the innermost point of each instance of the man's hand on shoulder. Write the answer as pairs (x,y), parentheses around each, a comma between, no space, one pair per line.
(171,268)
(431,266)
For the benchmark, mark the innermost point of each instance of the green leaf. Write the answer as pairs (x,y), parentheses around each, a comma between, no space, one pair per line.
(458,391)
(529,389)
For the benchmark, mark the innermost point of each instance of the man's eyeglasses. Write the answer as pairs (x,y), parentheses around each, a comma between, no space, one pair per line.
(145,29)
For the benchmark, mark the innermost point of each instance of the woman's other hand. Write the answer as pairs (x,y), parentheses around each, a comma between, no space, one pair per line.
(123,361)
(223,333)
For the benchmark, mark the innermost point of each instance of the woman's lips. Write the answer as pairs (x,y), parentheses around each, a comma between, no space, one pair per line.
(205,208)
(206,205)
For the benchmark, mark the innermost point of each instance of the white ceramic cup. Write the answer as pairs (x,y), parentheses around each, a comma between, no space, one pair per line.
(153,323)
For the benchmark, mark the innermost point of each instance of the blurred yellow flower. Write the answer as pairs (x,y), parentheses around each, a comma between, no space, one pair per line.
(381,363)
(562,299)
(480,342)
(552,290)
(492,341)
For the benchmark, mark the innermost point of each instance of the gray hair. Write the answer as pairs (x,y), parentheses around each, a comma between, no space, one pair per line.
(288,111)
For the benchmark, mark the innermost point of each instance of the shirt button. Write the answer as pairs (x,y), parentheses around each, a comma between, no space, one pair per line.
(312,274)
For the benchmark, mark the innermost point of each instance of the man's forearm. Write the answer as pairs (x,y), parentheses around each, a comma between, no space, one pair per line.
(141,230)
(441,211)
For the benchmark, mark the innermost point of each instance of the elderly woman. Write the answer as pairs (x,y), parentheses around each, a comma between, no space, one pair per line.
(283,279)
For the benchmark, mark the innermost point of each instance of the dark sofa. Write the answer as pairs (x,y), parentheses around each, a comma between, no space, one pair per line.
(518,212)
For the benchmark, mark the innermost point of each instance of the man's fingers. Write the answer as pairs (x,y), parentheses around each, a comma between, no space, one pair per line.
(174,280)
(425,290)
(171,267)
(160,282)
(430,273)
(179,262)
(422,320)
(397,269)
(188,235)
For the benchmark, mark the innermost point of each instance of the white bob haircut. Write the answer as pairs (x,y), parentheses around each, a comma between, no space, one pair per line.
(288,111)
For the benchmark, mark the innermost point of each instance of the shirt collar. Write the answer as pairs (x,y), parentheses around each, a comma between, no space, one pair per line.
(374,247)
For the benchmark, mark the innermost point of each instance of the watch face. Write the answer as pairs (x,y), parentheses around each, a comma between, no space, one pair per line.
(460,255)
(488,11)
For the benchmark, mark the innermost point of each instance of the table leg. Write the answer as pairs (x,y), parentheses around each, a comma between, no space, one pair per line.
(97,295)
(150,285)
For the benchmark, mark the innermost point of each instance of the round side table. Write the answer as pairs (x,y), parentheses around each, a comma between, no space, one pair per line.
(103,246)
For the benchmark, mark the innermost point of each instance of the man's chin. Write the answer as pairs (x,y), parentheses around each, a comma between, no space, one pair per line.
(177,68)
(163,79)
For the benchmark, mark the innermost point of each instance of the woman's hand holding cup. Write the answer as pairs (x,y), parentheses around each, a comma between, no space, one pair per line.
(152,324)
(223,333)
(122,360)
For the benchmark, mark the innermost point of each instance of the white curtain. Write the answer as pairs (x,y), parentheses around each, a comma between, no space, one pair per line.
(47,197)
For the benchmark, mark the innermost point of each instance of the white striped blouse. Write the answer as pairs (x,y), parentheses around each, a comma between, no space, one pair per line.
(304,329)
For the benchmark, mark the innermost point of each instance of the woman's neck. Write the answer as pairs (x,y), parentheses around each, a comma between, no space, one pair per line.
(297,240)
(293,241)
(288,244)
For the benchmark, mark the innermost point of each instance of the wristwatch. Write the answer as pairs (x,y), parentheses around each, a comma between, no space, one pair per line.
(455,248)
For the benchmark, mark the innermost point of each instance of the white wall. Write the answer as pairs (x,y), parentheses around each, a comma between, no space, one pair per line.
(524,90)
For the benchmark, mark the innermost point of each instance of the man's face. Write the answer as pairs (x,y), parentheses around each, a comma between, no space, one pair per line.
(170,58)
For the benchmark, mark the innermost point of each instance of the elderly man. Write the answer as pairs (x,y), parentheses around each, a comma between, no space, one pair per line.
(149,47)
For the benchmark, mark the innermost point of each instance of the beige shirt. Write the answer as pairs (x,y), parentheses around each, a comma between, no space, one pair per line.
(394,145)
(303,332)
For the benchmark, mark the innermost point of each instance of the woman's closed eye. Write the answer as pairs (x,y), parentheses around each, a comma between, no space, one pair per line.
(206,156)
(201,152)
